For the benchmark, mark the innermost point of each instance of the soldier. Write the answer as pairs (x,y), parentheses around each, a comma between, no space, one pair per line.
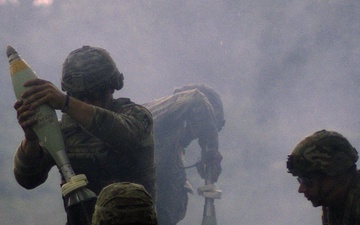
(192,112)
(109,140)
(325,166)
(124,203)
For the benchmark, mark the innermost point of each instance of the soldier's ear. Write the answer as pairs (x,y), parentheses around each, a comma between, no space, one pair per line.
(117,81)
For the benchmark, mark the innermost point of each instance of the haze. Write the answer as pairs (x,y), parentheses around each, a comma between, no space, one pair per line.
(284,69)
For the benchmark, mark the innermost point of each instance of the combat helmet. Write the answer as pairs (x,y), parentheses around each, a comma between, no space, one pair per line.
(124,203)
(326,152)
(88,69)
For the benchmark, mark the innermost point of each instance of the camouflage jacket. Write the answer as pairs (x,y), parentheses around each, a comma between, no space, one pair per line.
(351,212)
(98,152)
(178,120)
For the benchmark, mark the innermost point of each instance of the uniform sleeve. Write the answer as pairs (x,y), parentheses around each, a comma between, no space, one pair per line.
(187,116)
(189,109)
(132,124)
(30,172)
(356,210)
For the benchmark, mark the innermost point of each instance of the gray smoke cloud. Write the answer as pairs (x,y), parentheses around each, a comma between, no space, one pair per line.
(284,69)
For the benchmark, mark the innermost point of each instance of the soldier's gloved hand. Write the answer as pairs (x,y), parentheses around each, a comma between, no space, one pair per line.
(40,92)
(213,159)
(26,119)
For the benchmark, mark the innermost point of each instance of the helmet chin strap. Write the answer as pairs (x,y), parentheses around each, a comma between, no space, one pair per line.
(323,195)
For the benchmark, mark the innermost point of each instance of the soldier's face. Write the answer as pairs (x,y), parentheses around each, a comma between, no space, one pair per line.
(321,190)
(310,187)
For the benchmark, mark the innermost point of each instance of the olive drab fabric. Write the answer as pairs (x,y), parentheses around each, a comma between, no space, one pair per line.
(90,69)
(331,155)
(124,203)
(187,115)
(102,152)
(117,142)
(105,157)
(324,151)
(351,212)
(212,96)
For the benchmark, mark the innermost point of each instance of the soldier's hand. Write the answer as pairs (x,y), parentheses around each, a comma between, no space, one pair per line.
(40,92)
(214,159)
(210,159)
(26,118)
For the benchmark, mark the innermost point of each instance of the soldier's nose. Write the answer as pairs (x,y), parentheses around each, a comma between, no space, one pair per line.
(302,188)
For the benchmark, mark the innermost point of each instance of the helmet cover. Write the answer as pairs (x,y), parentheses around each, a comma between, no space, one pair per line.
(89,69)
(325,152)
(124,203)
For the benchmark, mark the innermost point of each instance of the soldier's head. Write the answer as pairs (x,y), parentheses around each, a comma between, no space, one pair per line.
(322,162)
(212,96)
(88,71)
(124,203)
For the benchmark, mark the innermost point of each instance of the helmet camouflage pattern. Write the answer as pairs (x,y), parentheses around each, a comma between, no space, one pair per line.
(124,203)
(89,69)
(325,152)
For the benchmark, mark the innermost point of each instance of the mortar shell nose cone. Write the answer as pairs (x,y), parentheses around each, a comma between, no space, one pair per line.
(10,50)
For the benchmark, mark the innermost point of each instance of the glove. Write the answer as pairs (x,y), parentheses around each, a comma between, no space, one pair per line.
(213,159)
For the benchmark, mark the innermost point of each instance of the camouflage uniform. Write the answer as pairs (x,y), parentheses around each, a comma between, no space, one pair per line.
(179,119)
(117,146)
(329,153)
(98,153)
(124,203)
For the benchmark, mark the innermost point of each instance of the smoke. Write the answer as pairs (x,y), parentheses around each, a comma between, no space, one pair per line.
(284,69)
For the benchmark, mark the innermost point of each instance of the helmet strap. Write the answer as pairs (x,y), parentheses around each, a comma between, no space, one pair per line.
(323,195)
(320,193)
